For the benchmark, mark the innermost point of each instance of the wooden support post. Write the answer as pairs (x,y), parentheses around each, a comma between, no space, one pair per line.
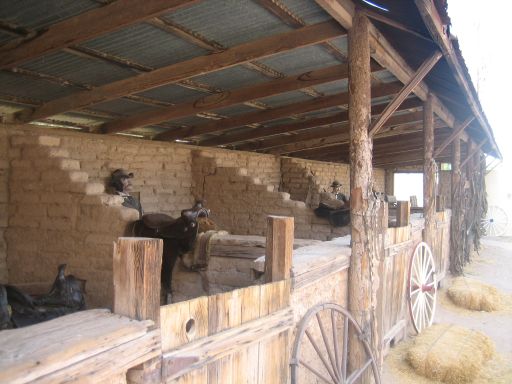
(456,235)
(278,256)
(363,272)
(403,213)
(137,266)
(429,170)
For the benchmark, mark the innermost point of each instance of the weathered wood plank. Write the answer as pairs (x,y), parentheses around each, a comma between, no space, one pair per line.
(30,353)
(112,363)
(279,249)
(137,265)
(183,322)
(225,343)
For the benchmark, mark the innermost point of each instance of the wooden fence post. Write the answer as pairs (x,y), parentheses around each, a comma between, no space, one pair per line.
(403,212)
(137,266)
(278,256)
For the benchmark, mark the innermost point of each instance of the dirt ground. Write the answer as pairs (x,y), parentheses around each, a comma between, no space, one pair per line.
(494,267)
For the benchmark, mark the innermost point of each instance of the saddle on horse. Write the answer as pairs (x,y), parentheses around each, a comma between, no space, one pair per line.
(178,234)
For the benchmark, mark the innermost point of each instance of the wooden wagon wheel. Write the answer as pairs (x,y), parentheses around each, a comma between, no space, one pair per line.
(495,221)
(324,329)
(422,287)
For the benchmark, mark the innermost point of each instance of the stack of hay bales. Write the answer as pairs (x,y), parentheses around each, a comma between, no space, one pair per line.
(450,353)
(474,295)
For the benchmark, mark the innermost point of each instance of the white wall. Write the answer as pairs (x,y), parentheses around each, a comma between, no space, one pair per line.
(499,191)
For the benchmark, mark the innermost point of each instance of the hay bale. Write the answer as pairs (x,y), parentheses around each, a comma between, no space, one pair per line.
(450,353)
(474,295)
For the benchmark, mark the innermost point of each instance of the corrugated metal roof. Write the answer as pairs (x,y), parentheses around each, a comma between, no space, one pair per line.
(301,60)
(173,94)
(232,78)
(23,86)
(333,87)
(5,37)
(122,107)
(189,121)
(146,45)
(385,76)
(321,113)
(308,11)
(341,43)
(78,69)
(234,110)
(37,14)
(285,99)
(229,22)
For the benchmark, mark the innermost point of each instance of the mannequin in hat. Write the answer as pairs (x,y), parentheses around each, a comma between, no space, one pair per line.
(334,199)
(121,183)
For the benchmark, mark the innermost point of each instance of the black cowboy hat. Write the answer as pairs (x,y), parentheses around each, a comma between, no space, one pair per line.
(335,184)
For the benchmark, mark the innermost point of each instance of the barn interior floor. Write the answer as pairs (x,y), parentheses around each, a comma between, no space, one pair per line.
(493,266)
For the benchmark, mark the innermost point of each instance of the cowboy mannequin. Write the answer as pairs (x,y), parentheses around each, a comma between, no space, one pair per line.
(334,199)
(121,183)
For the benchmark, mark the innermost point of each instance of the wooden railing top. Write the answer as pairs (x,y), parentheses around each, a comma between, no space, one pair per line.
(95,344)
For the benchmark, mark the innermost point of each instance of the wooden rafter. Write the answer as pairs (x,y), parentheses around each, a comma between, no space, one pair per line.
(87,26)
(457,131)
(232,97)
(322,132)
(420,74)
(200,65)
(272,114)
(327,135)
(307,145)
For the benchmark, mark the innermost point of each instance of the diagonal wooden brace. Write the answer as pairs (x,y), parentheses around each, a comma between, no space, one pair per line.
(420,74)
(456,132)
(473,152)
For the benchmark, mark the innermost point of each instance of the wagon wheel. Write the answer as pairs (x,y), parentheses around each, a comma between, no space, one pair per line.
(495,221)
(422,287)
(323,332)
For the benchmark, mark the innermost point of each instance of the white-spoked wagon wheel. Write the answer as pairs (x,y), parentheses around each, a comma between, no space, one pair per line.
(320,350)
(422,287)
(495,221)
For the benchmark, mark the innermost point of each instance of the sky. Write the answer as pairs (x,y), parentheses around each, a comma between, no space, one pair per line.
(483,30)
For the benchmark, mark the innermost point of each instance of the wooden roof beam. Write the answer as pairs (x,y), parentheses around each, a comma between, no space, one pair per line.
(328,134)
(240,54)
(229,98)
(271,114)
(322,132)
(286,128)
(87,26)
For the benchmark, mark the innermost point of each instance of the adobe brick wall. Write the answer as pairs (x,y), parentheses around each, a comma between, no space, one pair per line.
(58,211)
(295,181)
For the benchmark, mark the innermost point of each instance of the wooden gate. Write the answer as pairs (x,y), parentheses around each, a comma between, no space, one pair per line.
(230,337)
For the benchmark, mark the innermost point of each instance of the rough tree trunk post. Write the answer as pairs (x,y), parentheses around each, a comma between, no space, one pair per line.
(429,169)
(456,221)
(137,266)
(363,268)
(279,250)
